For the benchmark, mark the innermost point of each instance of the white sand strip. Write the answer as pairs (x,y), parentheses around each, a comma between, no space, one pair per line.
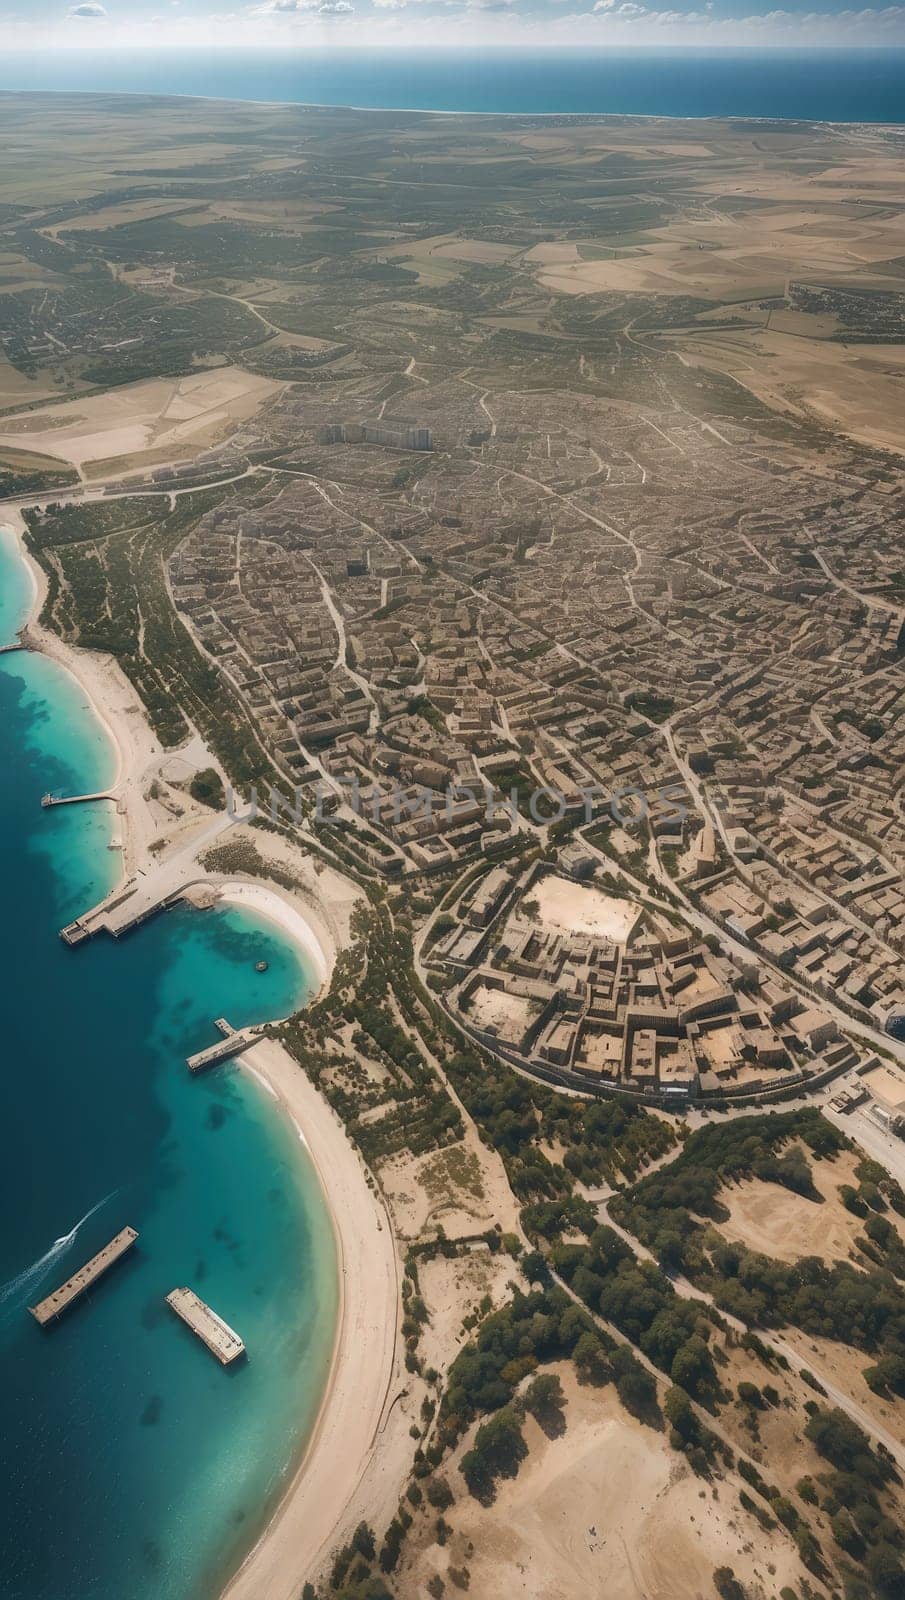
(336,1485)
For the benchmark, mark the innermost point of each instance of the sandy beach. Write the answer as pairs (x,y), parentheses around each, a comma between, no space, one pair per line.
(281,908)
(113,701)
(337,1482)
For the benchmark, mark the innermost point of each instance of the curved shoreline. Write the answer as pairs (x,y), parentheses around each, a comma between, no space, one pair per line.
(267,902)
(444,111)
(38,638)
(330,1481)
(332,1487)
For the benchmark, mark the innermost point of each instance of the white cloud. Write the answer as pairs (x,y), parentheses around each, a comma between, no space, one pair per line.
(438,23)
(303,8)
(706,26)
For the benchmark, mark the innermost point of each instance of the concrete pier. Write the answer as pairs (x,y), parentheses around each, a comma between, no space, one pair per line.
(55,1304)
(74,799)
(127,909)
(221,1340)
(232,1044)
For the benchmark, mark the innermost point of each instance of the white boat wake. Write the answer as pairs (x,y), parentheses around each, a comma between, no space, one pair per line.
(31,1276)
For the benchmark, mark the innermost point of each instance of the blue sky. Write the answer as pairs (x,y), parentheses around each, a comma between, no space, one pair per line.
(266,24)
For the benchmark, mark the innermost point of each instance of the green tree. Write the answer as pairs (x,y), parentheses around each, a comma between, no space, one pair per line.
(590,1359)
(693,1367)
(498,1451)
(545,1400)
(727,1585)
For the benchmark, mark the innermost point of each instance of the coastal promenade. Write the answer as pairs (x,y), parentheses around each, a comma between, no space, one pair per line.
(151,890)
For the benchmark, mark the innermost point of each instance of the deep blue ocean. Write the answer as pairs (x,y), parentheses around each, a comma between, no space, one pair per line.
(828,86)
(133,1466)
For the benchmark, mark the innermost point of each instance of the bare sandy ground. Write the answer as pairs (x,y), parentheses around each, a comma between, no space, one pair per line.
(556,253)
(481,251)
(607,1509)
(725,256)
(338,1482)
(581,908)
(461,1188)
(787,1226)
(159,418)
(856,389)
(756,229)
(452,1289)
(844,1367)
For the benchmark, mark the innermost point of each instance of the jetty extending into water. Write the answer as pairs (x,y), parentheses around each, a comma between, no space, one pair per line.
(61,1299)
(139,897)
(221,1340)
(75,799)
(128,907)
(234,1041)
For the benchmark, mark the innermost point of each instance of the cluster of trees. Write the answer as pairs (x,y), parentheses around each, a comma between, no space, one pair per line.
(862,1516)
(352,1576)
(638,1300)
(665,1209)
(688,1433)
(207,788)
(499,1445)
(865,1309)
(542,1326)
(92,520)
(772,1507)
(367,982)
(498,1451)
(607,1140)
(550,1219)
(116,600)
(882,1244)
(887,1376)
(603,1140)
(240,855)
(877,1190)
(22,480)
(145,335)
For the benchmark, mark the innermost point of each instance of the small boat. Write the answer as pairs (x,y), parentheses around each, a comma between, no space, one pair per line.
(260,966)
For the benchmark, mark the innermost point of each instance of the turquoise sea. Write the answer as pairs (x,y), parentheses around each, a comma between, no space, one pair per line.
(853,85)
(133,1466)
